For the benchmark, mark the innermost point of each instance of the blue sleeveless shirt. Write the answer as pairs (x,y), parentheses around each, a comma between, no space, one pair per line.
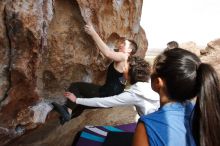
(170,125)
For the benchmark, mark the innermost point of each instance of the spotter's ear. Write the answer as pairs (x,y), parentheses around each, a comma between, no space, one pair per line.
(157,84)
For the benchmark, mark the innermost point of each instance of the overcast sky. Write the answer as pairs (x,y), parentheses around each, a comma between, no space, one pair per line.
(180,20)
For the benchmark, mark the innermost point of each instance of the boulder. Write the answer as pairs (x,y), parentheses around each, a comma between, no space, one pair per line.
(43,48)
(212,55)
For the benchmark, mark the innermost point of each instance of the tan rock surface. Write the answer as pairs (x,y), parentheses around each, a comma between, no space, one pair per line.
(213,54)
(192,47)
(51,133)
(43,48)
(4,52)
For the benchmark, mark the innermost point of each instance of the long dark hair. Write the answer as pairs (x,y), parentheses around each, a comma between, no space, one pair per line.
(206,117)
(186,77)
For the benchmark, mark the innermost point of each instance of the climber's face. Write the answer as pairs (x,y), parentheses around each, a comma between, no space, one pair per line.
(124,46)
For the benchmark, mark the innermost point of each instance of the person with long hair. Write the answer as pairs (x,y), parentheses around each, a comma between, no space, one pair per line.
(179,76)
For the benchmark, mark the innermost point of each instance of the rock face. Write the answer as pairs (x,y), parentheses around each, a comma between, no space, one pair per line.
(43,48)
(191,46)
(212,55)
(4,54)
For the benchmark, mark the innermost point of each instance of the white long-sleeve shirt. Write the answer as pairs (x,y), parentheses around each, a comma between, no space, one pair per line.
(139,94)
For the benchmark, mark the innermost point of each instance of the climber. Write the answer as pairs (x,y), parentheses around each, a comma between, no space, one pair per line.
(114,83)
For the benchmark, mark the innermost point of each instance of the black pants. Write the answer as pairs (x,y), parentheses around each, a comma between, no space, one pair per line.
(82,90)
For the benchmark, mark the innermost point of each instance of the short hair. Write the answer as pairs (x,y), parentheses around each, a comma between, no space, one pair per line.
(139,69)
(172,45)
(133,46)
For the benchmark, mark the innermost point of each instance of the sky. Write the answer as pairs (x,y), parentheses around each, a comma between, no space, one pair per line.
(180,20)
